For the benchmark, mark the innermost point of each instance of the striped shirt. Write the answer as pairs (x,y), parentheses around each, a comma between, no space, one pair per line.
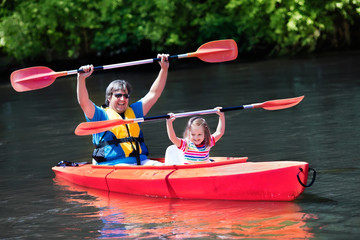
(196,153)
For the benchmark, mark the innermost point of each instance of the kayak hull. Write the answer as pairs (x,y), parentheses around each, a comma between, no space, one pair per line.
(226,179)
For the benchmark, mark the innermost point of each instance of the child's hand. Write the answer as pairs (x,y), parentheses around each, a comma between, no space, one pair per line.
(171,118)
(218,112)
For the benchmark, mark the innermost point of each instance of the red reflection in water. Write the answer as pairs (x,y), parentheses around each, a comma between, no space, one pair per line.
(136,217)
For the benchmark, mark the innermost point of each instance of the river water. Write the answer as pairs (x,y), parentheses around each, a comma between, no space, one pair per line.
(37,131)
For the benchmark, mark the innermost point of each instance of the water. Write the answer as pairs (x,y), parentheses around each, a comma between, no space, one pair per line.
(36,132)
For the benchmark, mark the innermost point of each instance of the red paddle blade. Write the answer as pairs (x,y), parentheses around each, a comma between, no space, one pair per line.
(280,103)
(88,128)
(217,51)
(32,78)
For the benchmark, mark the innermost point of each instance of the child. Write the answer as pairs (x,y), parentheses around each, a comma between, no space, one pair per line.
(197,142)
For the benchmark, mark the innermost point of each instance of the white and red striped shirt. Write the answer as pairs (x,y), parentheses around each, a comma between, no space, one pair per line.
(196,153)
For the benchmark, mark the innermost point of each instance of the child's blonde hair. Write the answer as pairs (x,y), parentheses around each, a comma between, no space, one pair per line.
(198,121)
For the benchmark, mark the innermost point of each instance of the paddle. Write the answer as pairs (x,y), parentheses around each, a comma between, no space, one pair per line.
(33,78)
(87,128)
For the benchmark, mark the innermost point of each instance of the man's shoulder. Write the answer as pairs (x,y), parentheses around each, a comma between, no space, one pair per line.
(137,107)
(100,113)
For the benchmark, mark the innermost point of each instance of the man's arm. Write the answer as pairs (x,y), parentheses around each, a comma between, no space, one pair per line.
(158,86)
(82,93)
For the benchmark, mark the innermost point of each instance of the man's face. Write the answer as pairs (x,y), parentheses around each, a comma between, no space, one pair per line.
(119,101)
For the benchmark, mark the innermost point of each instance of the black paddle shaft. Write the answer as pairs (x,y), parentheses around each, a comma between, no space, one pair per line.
(231,108)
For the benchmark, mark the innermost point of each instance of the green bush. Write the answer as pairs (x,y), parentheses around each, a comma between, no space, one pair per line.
(62,29)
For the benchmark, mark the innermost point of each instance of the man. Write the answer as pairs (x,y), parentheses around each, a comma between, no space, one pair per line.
(123,144)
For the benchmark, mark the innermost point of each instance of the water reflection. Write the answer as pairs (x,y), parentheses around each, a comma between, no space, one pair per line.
(144,217)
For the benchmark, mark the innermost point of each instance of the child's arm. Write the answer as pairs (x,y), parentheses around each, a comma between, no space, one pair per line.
(170,130)
(220,130)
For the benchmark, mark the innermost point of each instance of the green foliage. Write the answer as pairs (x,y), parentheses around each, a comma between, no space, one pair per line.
(48,28)
(60,29)
(290,26)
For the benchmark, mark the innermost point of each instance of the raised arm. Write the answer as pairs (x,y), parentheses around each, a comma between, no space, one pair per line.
(170,130)
(220,130)
(82,93)
(158,86)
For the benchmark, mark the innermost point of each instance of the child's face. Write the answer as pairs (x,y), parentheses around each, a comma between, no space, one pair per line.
(197,134)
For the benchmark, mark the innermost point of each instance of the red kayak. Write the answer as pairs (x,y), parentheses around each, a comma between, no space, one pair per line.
(225,178)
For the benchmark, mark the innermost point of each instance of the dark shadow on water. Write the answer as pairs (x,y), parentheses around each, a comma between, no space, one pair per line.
(313,198)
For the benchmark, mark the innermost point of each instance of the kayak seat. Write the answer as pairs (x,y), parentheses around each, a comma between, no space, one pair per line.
(174,156)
